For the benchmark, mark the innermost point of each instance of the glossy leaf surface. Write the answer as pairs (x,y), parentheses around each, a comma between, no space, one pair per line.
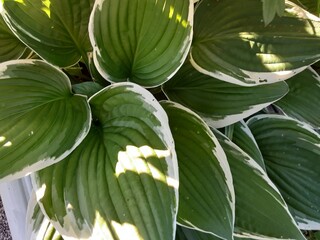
(11,48)
(41,121)
(260,210)
(232,43)
(56,30)
(220,103)
(291,151)
(202,162)
(122,181)
(244,139)
(302,101)
(142,41)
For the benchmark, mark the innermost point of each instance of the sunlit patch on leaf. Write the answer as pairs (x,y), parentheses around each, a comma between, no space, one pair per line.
(56,30)
(123,178)
(126,47)
(232,43)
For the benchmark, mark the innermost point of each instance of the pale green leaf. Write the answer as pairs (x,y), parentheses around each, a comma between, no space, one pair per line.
(41,121)
(271,8)
(220,103)
(261,212)
(142,41)
(122,181)
(232,43)
(11,48)
(302,101)
(291,151)
(56,30)
(202,162)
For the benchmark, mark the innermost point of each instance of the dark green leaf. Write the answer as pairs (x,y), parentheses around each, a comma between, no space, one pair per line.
(261,212)
(302,101)
(220,103)
(202,162)
(10,47)
(183,233)
(291,151)
(86,88)
(244,139)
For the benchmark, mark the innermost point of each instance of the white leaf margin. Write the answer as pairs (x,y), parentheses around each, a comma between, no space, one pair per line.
(231,119)
(260,172)
(303,223)
(222,160)
(254,78)
(54,159)
(172,176)
(95,52)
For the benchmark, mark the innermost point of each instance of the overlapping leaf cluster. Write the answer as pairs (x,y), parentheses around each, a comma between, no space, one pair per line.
(163,119)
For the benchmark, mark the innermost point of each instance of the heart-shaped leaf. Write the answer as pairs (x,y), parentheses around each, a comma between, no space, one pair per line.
(232,43)
(302,101)
(220,103)
(56,30)
(11,48)
(261,212)
(142,41)
(122,181)
(291,151)
(41,121)
(202,162)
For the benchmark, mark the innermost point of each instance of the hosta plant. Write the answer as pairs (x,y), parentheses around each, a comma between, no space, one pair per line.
(163,119)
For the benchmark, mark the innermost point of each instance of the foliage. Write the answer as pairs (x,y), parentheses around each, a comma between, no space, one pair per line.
(153,119)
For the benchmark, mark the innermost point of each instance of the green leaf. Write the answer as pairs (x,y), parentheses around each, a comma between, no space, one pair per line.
(202,162)
(220,103)
(142,41)
(271,8)
(183,233)
(41,121)
(37,225)
(291,151)
(10,47)
(122,181)
(244,139)
(56,30)
(302,101)
(87,88)
(231,42)
(260,210)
